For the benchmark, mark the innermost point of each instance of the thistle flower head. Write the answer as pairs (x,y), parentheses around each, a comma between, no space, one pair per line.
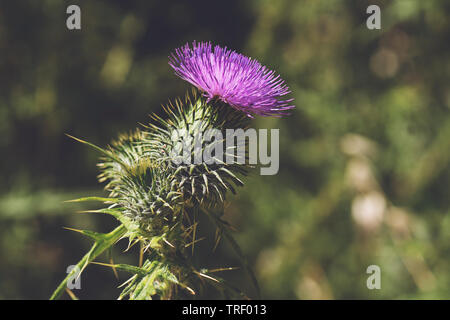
(235,79)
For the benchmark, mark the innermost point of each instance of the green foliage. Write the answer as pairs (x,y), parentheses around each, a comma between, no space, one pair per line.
(102,243)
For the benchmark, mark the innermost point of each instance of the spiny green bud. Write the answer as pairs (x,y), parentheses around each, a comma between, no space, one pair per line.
(147,192)
(192,143)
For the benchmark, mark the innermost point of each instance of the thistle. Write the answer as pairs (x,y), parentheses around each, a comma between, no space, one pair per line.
(157,189)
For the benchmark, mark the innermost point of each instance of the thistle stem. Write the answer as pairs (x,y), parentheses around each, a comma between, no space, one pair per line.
(98,248)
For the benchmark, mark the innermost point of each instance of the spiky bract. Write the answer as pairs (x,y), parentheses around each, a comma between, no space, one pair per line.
(146,192)
(189,125)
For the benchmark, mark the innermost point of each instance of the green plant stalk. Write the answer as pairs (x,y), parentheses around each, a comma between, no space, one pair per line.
(101,244)
(148,191)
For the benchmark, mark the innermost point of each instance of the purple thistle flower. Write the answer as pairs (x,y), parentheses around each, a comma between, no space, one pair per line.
(235,79)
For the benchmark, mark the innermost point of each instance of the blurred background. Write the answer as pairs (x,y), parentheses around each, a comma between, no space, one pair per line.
(364,158)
